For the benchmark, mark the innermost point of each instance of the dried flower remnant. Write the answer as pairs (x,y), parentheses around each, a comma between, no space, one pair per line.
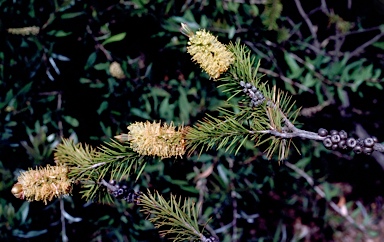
(155,139)
(116,70)
(33,30)
(205,49)
(42,184)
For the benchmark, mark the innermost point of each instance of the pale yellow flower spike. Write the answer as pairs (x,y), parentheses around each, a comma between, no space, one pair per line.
(154,139)
(43,184)
(116,70)
(205,49)
(33,30)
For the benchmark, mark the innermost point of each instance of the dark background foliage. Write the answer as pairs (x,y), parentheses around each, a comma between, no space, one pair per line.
(57,84)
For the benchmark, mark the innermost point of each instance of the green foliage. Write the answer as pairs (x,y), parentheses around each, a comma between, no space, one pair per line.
(14,222)
(178,218)
(272,13)
(89,166)
(243,69)
(281,115)
(223,133)
(41,145)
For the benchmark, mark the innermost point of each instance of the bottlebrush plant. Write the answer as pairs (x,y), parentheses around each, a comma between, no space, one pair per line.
(264,115)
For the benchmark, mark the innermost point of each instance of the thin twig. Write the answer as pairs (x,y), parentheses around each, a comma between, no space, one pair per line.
(324,7)
(64,236)
(338,44)
(109,186)
(96,165)
(359,31)
(307,112)
(234,203)
(366,44)
(293,134)
(316,50)
(285,79)
(249,2)
(49,93)
(308,21)
(98,45)
(58,108)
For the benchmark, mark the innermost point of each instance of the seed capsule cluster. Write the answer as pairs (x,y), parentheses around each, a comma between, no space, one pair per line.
(339,140)
(256,96)
(211,239)
(121,191)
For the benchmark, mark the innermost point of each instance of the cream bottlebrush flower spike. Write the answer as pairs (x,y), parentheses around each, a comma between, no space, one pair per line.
(154,139)
(213,56)
(42,184)
(33,30)
(116,70)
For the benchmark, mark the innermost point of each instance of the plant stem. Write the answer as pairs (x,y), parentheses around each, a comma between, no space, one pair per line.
(64,236)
